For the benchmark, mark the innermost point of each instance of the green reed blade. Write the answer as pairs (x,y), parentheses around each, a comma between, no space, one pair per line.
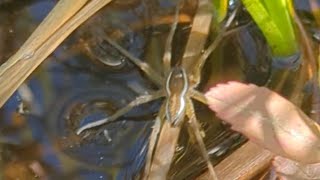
(273,18)
(220,7)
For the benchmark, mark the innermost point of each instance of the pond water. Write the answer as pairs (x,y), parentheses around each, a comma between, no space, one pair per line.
(86,79)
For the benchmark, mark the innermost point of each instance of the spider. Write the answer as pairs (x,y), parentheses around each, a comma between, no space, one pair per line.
(177,84)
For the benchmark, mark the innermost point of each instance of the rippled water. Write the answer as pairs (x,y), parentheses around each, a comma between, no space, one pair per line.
(86,79)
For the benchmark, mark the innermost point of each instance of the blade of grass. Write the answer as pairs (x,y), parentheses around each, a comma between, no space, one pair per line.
(279,12)
(221,7)
(164,151)
(274,20)
(253,158)
(11,78)
(198,36)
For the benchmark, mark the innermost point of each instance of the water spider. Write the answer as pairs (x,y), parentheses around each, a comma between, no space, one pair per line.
(177,84)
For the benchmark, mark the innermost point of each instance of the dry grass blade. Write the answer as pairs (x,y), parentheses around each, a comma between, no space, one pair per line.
(198,35)
(164,151)
(61,13)
(13,76)
(245,163)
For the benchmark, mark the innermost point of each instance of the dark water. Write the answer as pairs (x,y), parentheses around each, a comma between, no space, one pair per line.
(86,79)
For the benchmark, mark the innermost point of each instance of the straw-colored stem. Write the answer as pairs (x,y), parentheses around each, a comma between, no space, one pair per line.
(198,35)
(61,13)
(12,77)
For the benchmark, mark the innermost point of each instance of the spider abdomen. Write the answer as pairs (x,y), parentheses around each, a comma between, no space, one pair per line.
(176,88)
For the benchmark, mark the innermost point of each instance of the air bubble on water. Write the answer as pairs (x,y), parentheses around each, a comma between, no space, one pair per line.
(106,135)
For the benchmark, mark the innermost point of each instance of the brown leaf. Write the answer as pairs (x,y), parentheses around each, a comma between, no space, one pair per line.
(267,119)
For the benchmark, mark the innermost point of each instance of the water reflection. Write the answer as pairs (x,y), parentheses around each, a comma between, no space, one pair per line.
(91,38)
(117,152)
(256,62)
(105,148)
(85,79)
(70,90)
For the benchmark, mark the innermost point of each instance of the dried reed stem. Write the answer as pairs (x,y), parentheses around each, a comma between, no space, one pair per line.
(46,38)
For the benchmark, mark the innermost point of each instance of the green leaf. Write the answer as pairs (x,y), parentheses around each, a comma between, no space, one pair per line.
(220,7)
(273,18)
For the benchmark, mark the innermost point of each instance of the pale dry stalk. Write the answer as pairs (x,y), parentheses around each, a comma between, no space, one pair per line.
(59,24)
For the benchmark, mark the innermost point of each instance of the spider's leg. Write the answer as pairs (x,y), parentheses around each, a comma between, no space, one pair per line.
(153,75)
(153,141)
(195,128)
(218,39)
(168,46)
(139,100)
(197,95)
(198,65)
